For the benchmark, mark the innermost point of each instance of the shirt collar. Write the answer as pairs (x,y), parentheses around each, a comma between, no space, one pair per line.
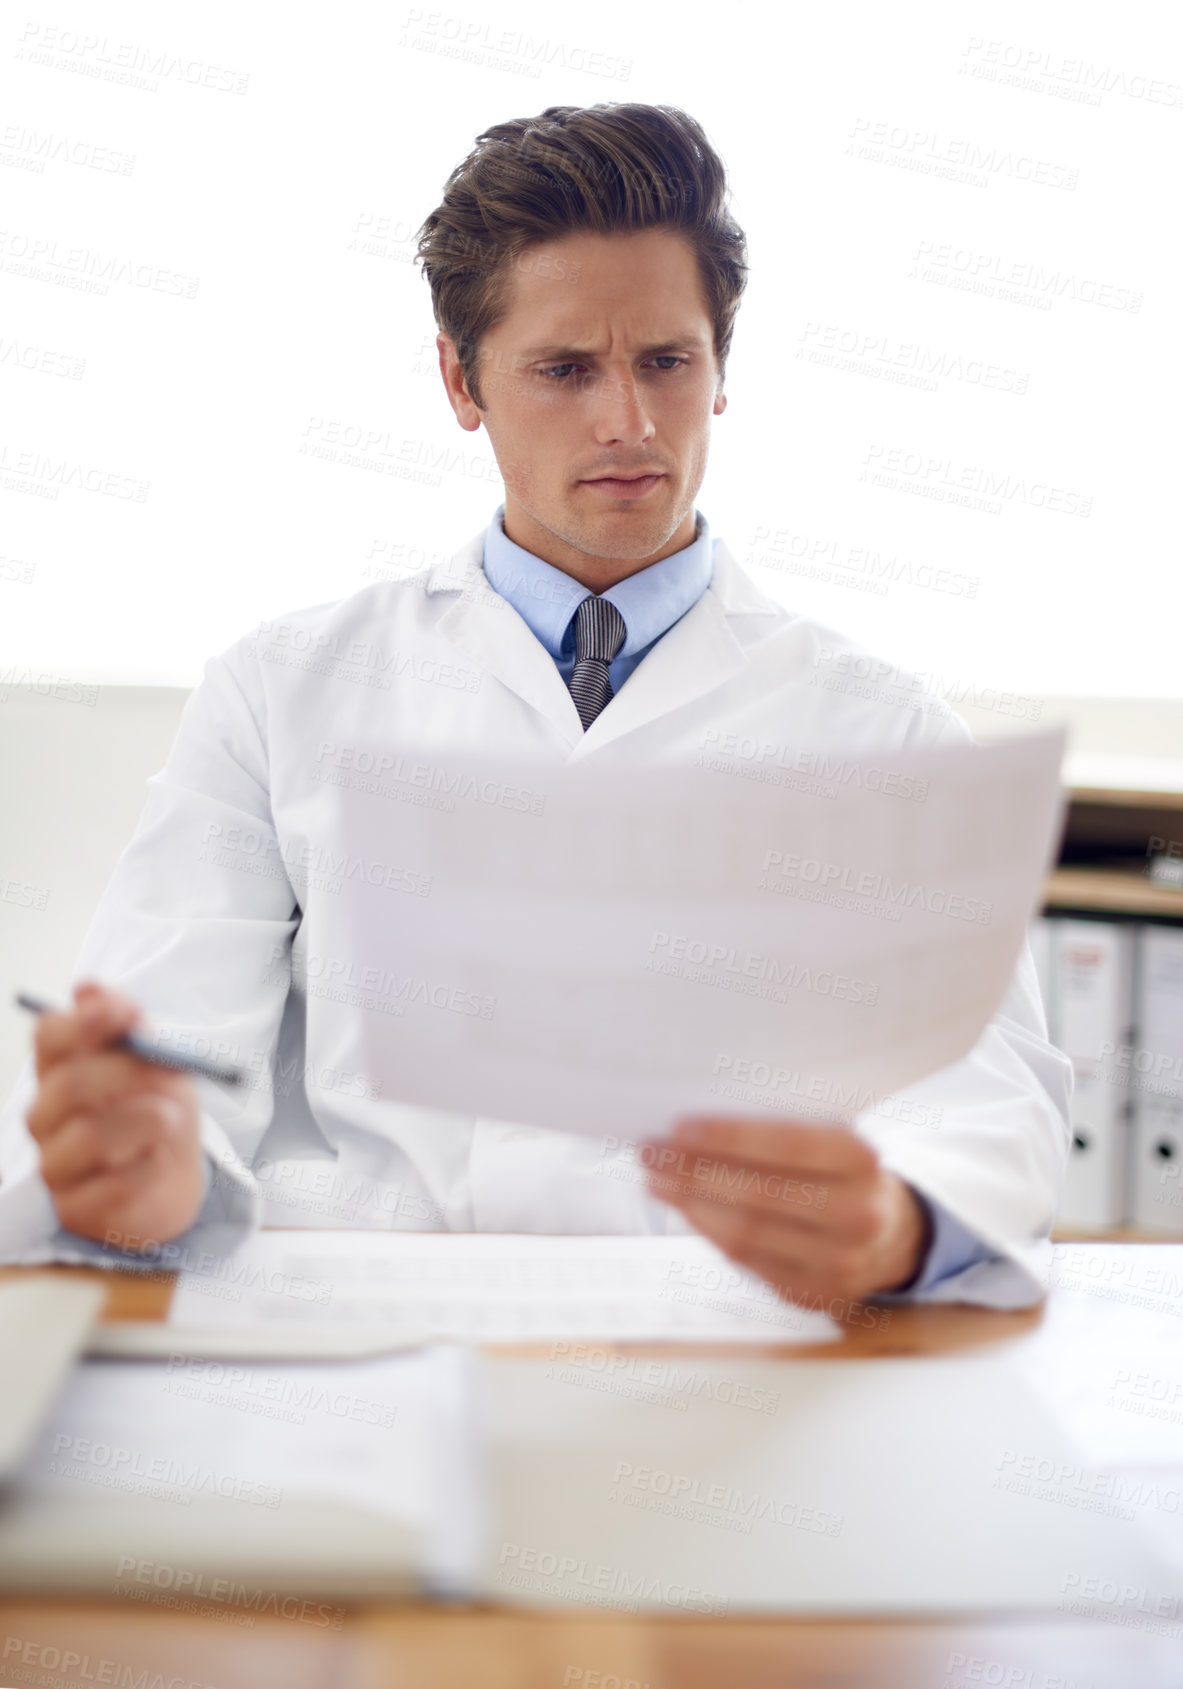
(650,601)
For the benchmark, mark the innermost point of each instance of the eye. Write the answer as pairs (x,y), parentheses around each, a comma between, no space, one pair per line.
(551,373)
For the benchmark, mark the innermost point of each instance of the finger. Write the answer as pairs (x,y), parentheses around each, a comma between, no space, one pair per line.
(74,1152)
(841,1296)
(848,1208)
(86,1147)
(837,1241)
(104,1205)
(55,1036)
(806,1281)
(778,1184)
(785,1255)
(771,1171)
(804,1148)
(793,1279)
(149,1124)
(99,1017)
(744,1240)
(92,992)
(759,1190)
(794,1282)
(90,1084)
(104,1014)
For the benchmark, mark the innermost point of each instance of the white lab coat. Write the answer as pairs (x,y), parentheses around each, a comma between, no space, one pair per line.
(214,945)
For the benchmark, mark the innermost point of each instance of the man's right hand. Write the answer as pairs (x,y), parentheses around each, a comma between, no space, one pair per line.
(120,1138)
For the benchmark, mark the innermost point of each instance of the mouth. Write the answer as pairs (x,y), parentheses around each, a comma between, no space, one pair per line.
(625,486)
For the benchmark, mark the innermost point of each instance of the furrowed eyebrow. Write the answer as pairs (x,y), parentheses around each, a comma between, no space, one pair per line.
(690,342)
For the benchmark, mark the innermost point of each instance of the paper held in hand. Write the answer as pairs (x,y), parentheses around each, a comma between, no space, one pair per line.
(609,948)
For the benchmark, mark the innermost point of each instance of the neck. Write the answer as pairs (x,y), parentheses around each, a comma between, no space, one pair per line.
(597,574)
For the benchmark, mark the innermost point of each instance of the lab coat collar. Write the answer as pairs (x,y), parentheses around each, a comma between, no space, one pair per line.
(699,652)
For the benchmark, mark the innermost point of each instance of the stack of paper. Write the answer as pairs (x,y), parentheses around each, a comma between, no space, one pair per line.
(482,1287)
(251,1484)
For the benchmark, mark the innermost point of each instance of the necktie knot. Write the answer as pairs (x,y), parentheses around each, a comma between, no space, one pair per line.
(599,634)
(599,630)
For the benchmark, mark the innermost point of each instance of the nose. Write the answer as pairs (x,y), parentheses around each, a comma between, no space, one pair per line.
(619,411)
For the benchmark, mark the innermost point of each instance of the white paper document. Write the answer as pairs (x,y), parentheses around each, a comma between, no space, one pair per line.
(493,1288)
(891,1486)
(229,1471)
(629,945)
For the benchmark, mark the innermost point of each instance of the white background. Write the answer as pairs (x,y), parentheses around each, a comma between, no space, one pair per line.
(349,121)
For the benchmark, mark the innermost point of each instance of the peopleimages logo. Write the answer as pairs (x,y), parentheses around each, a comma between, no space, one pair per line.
(66,1666)
(541,1569)
(748,971)
(688,1495)
(672,1383)
(318,865)
(834,771)
(183,1581)
(385,771)
(749,1079)
(893,895)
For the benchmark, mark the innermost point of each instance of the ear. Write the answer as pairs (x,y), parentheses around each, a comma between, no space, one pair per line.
(467,414)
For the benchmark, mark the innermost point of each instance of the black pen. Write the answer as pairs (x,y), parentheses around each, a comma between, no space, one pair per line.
(142,1046)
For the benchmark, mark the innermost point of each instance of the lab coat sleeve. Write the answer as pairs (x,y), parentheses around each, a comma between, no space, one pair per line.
(952,1249)
(988,1139)
(195,926)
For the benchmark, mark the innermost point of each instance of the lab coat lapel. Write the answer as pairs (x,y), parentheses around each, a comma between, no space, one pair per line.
(489,631)
(700,652)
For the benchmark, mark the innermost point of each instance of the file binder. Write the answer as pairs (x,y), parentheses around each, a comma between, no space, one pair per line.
(1155,1074)
(1093,991)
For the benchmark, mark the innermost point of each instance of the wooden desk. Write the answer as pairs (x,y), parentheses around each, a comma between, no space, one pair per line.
(53,1644)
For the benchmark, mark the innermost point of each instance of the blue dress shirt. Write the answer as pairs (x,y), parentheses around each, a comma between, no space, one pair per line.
(651,601)
(546,599)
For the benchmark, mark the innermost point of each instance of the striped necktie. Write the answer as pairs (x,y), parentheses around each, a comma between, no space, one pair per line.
(599,634)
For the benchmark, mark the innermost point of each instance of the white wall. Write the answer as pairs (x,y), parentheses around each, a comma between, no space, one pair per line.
(962,249)
(71,790)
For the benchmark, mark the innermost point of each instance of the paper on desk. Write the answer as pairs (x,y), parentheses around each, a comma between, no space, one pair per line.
(627,945)
(391,1437)
(1108,1357)
(494,1288)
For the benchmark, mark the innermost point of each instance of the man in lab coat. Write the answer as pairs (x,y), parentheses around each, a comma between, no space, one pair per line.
(597,380)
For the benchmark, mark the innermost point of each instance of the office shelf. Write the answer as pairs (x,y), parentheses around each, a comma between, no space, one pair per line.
(1111,1234)
(1110,834)
(1111,891)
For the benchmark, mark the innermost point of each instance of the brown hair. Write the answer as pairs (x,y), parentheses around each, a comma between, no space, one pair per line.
(605,169)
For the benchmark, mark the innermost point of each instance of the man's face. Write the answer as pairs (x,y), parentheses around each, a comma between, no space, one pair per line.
(604,362)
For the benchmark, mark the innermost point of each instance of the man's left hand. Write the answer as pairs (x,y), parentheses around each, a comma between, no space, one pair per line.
(807,1207)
